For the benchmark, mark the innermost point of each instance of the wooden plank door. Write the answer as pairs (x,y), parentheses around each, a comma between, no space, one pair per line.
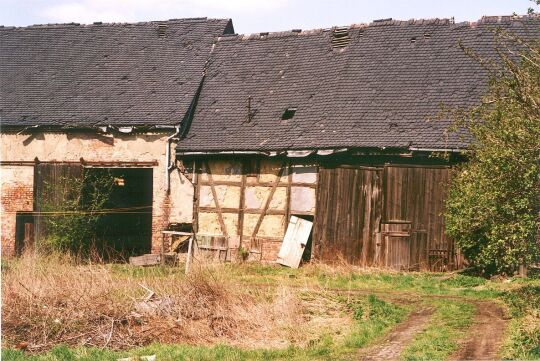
(349,206)
(52,185)
(415,194)
(397,239)
(294,242)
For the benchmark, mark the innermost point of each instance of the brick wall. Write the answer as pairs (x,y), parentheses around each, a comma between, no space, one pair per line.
(16,195)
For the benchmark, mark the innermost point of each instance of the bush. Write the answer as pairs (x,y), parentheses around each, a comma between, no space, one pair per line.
(71,218)
(492,207)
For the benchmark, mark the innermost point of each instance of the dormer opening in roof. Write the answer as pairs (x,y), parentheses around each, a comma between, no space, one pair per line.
(288,113)
(162,29)
(340,37)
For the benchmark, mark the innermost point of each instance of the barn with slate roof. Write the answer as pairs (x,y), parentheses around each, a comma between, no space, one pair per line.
(337,126)
(82,98)
(240,135)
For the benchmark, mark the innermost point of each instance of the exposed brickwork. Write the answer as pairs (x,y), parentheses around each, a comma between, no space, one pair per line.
(17,195)
(270,250)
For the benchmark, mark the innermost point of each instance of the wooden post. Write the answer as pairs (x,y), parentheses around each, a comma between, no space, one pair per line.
(163,248)
(28,243)
(523,271)
(216,202)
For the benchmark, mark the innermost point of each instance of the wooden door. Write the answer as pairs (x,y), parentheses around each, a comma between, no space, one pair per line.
(294,242)
(397,241)
(349,206)
(415,195)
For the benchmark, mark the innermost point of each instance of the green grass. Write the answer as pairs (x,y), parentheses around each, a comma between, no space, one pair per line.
(447,325)
(523,336)
(374,317)
(422,283)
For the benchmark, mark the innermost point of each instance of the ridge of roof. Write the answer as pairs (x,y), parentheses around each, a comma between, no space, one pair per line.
(484,20)
(105,24)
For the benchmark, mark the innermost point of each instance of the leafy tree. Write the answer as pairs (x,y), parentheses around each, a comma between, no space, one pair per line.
(492,210)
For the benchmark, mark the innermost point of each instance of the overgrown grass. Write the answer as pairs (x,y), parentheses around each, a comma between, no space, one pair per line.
(373,318)
(447,325)
(523,341)
(355,278)
(53,300)
(244,311)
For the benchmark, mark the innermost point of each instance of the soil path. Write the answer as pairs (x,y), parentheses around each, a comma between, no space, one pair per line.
(485,334)
(401,336)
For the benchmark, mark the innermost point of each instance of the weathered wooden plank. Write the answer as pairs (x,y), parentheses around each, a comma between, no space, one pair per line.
(345,207)
(294,242)
(242,205)
(288,196)
(145,260)
(196,180)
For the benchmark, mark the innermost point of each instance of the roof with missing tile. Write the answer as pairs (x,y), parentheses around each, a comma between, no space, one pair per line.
(119,74)
(384,89)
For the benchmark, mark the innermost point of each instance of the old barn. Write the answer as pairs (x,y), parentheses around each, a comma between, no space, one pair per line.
(341,127)
(77,98)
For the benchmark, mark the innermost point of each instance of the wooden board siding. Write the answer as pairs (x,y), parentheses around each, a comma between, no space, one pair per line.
(348,214)
(416,194)
(389,216)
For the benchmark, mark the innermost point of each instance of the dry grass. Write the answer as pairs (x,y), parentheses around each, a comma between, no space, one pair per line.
(51,300)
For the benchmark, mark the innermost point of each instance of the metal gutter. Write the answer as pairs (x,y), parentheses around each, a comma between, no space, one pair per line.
(452,150)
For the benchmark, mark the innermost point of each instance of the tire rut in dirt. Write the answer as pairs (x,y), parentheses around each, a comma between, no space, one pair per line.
(399,338)
(485,335)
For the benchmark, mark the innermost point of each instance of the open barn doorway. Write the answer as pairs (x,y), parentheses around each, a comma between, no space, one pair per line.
(126,225)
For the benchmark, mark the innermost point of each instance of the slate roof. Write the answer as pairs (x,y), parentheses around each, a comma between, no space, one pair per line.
(385,89)
(101,74)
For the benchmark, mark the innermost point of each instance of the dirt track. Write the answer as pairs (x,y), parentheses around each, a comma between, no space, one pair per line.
(485,335)
(481,342)
(401,336)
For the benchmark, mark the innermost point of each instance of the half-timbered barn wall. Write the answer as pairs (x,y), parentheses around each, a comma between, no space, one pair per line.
(255,198)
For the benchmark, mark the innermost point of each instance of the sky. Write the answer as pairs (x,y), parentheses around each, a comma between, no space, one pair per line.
(252,16)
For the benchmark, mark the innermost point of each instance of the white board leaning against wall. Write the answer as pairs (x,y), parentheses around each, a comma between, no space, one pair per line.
(294,242)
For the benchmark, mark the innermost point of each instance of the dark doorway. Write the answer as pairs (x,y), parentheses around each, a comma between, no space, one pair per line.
(126,227)
(306,256)
(24,232)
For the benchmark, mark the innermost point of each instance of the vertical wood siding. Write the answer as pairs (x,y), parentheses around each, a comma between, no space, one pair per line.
(348,214)
(390,216)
